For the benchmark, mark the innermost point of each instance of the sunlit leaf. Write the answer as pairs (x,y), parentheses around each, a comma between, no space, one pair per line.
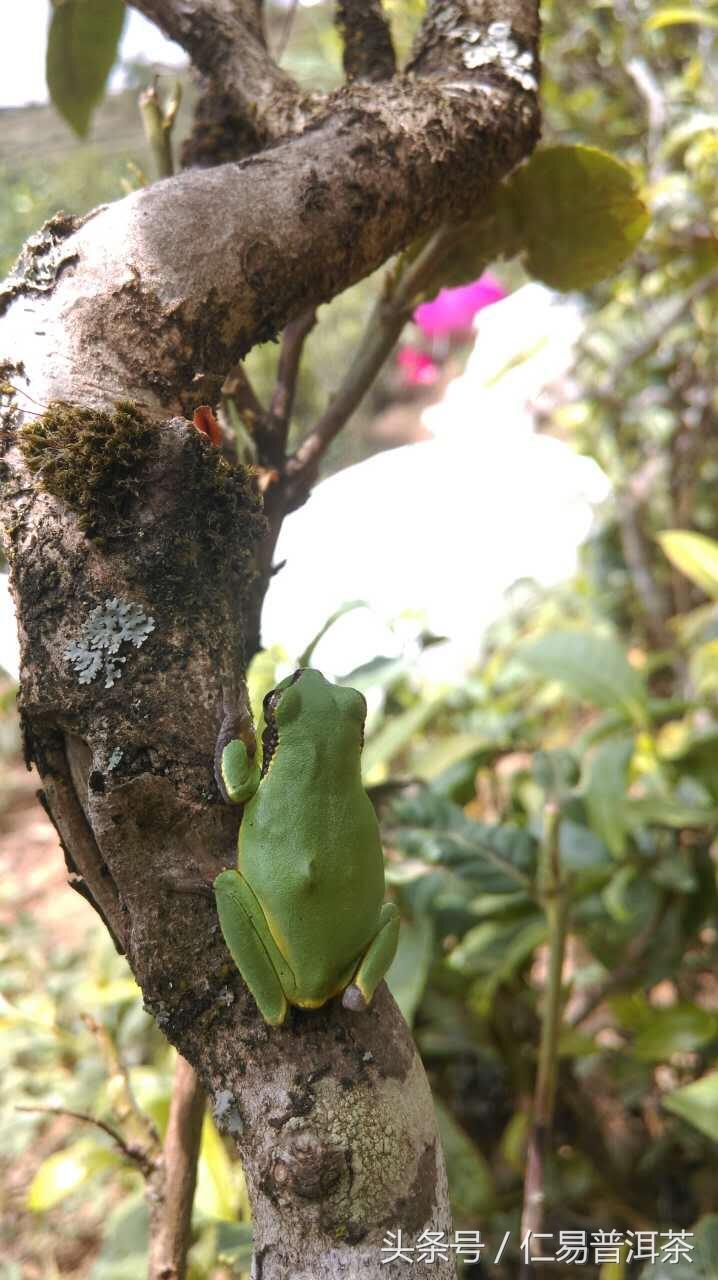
(218,1179)
(82,45)
(695,555)
(678,1029)
(577,212)
(592,666)
(604,791)
(675,15)
(697,1103)
(65,1171)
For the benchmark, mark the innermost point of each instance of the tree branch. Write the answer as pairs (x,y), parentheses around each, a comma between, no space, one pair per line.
(368,49)
(383,328)
(247,101)
(161,318)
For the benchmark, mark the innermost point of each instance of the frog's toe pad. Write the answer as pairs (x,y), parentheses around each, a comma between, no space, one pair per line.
(354,1000)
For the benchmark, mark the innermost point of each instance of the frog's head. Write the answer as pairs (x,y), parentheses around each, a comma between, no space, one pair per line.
(310,706)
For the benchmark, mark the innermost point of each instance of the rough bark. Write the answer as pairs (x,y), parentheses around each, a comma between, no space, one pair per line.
(149,302)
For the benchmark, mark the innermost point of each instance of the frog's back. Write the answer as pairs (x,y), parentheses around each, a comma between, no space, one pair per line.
(310,849)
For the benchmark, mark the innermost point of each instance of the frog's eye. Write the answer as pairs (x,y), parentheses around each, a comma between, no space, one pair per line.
(270,701)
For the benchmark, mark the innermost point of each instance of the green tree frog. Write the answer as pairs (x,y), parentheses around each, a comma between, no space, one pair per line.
(303,914)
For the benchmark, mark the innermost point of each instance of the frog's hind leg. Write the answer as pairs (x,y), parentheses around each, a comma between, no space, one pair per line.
(375,961)
(252,946)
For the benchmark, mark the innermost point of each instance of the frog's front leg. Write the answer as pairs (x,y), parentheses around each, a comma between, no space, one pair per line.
(252,946)
(375,962)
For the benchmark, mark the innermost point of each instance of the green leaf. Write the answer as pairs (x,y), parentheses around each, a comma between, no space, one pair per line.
(616,895)
(594,667)
(493,952)
(65,1171)
(82,47)
(493,859)
(695,555)
(218,1180)
(471,1187)
(662,811)
(679,14)
(410,967)
(577,213)
(701,1261)
(697,1103)
(681,1028)
(605,789)
(398,731)
(124,1248)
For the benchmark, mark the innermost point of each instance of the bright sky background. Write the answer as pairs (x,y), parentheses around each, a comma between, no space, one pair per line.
(22,50)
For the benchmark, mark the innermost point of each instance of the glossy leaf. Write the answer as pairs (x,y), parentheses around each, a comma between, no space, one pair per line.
(678,1029)
(218,1188)
(594,667)
(577,213)
(675,15)
(697,1103)
(410,968)
(82,45)
(66,1171)
(695,555)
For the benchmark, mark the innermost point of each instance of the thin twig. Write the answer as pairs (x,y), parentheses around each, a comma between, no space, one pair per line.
(555,899)
(282,402)
(137,1155)
(237,387)
(385,324)
(171,1220)
(125,1105)
(286,31)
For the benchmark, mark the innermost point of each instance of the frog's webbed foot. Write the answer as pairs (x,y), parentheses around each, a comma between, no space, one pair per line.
(375,961)
(353,999)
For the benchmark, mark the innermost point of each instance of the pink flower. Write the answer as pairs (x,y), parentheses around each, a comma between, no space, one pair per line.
(454,309)
(418,368)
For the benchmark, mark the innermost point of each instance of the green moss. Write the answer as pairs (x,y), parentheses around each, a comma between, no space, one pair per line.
(95,462)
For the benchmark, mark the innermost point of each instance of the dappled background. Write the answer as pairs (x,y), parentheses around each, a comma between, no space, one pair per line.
(521,575)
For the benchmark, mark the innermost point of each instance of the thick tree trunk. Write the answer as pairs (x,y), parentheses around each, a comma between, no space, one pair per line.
(131,546)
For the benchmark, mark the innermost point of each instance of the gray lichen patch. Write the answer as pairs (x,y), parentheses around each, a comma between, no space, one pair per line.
(226,1113)
(107,628)
(496,46)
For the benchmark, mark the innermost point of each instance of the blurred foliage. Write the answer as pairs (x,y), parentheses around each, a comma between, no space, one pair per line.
(598,701)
